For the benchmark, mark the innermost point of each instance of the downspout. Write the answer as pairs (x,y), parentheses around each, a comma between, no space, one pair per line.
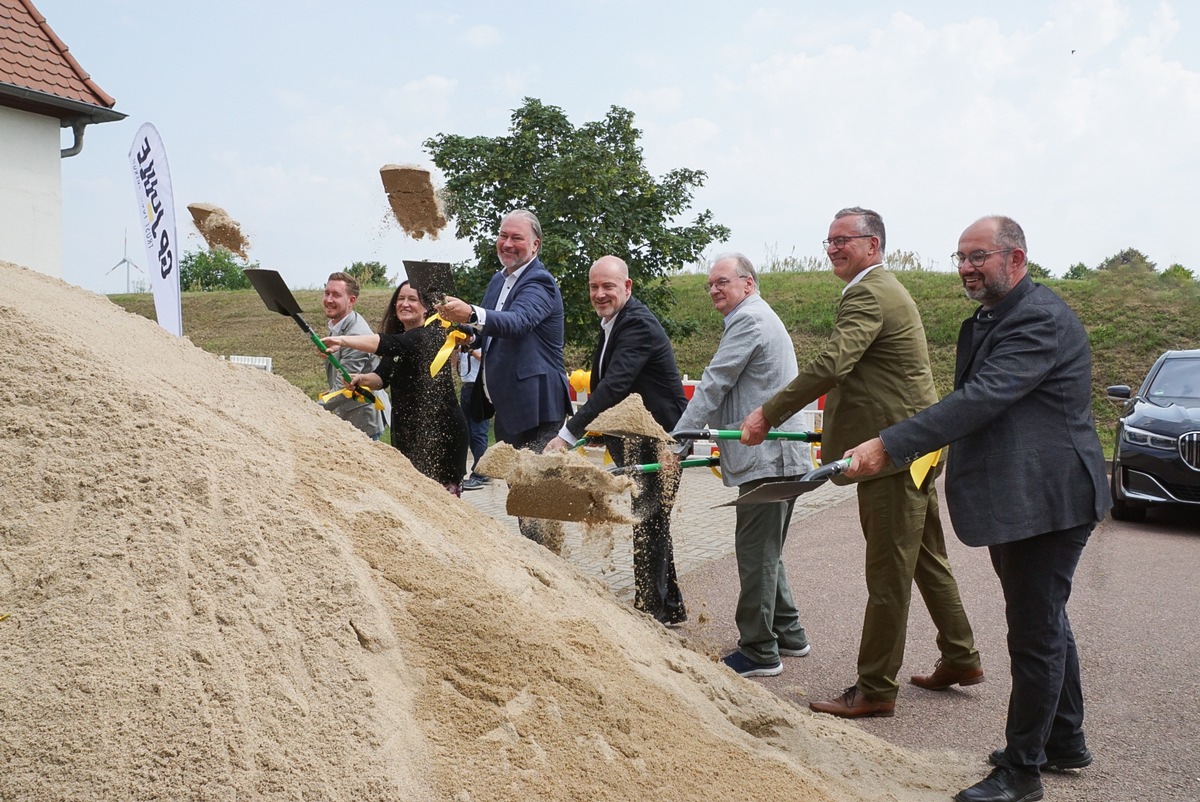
(77,127)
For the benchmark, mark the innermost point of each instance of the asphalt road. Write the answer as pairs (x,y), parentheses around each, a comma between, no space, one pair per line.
(1135,611)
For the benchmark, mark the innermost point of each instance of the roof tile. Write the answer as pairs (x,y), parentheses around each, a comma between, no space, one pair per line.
(33,57)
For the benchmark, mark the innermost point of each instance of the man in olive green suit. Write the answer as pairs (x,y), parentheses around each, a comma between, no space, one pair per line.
(875,370)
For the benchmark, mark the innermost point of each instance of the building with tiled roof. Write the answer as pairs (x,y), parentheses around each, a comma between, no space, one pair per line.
(42,90)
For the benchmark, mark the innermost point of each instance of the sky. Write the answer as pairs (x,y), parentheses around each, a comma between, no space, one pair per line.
(1080,119)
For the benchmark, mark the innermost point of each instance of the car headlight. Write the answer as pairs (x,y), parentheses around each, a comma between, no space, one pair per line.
(1140,437)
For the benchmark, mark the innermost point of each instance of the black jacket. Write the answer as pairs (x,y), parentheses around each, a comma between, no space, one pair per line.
(639,360)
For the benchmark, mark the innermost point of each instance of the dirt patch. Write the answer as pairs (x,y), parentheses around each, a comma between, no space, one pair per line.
(218,228)
(410,193)
(237,595)
(629,418)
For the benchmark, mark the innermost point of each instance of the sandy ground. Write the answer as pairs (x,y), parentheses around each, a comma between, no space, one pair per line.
(215,590)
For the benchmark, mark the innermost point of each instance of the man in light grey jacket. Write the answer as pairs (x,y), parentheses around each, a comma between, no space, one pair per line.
(341,293)
(753,362)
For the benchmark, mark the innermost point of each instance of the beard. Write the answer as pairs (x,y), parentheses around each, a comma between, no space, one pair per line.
(992,289)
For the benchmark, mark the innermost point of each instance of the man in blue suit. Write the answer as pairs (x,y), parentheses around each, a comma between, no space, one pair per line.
(1025,478)
(522,381)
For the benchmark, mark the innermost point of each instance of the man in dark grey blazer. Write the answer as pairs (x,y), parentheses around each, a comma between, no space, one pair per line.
(1025,478)
(633,355)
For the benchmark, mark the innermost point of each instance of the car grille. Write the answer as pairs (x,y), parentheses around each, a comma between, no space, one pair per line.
(1189,449)
(1189,493)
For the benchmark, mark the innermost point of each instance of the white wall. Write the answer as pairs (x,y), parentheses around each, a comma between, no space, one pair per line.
(30,191)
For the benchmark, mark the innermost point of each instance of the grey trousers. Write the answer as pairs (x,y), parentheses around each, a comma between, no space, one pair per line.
(766,614)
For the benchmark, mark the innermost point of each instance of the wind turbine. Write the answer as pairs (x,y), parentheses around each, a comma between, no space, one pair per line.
(125,260)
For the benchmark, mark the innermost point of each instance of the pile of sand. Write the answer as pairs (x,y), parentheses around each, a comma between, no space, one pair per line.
(216,590)
(218,228)
(417,207)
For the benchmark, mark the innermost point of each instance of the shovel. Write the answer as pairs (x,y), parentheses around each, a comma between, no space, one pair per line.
(736,434)
(278,298)
(786,491)
(653,467)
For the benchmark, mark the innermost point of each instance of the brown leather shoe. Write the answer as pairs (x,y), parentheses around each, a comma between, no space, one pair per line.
(854,704)
(944,676)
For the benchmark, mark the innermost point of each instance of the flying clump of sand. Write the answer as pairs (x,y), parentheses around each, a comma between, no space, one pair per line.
(559,487)
(216,590)
(218,228)
(416,205)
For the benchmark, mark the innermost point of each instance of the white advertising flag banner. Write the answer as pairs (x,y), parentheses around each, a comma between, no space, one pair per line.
(156,205)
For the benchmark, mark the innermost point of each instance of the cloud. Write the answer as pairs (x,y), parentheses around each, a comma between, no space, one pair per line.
(481,36)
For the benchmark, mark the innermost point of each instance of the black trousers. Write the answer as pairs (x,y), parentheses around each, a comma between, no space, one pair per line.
(1045,708)
(656,586)
(477,430)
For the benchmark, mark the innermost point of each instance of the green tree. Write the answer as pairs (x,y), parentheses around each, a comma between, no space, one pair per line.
(213,269)
(593,195)
(1037,272)
(369,274)
(1077,271)
(1130,260)
(1178,274)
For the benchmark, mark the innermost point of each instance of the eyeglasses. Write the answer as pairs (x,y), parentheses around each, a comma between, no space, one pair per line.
(840,242)
(976,258)
(722,283)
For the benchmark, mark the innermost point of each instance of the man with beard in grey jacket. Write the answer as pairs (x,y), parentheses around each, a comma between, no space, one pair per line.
(341,293)
(1025,478)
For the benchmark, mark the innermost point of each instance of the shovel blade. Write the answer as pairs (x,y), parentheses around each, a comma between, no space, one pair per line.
(771,492)
(273,291)
(554,499)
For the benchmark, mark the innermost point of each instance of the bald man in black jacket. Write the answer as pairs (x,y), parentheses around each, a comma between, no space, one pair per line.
(634,355)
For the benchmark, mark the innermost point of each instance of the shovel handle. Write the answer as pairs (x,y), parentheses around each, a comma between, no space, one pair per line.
(367,394)
(736,434)
(653,467)
(827,470)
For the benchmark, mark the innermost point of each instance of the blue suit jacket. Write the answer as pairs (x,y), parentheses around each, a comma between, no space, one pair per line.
(523,354)
(1024,455)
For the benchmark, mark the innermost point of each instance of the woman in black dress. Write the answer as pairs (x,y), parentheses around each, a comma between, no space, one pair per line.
(428,425)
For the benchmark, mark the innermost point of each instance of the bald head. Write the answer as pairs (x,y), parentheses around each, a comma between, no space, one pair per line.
(609,286)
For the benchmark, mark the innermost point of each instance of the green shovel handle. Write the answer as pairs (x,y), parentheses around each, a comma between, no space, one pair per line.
(654,467)
(367,394)
(735,434)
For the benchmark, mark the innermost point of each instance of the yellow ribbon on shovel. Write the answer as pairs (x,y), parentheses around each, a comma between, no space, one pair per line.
(350,393)
(921,467)
(453,338)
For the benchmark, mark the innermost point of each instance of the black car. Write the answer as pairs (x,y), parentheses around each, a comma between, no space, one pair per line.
(1156,459)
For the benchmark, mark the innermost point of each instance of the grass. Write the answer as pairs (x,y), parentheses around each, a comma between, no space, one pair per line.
(1130,318)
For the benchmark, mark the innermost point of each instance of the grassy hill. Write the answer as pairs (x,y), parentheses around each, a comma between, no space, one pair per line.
(1131,319)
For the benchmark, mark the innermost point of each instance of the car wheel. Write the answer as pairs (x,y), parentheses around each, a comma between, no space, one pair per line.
(1122,510)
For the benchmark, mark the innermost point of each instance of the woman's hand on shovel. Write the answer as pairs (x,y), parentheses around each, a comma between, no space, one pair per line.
(371,381)
(866,459)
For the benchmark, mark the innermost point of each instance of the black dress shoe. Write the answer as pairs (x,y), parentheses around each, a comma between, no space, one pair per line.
(1053,762)
(1003,785)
